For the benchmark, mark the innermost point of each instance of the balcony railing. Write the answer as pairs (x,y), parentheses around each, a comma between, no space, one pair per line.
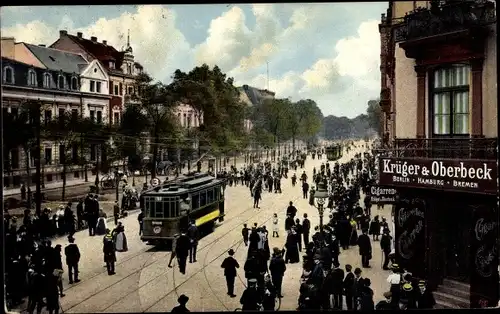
(455,148)
(445,17)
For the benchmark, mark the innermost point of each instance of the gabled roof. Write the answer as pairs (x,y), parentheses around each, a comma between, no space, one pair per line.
(58,60)
(99,50)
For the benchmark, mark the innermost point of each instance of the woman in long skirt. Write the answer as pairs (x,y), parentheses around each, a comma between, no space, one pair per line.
(101,226)
(120,238)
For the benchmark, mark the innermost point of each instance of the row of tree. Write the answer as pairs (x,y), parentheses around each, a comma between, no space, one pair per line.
(361,126)
(150,125)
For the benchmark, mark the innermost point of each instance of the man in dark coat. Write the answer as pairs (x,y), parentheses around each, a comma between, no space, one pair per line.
(194,236)
(72,259)
(305,189)
(181,308)
(365,248)
(385,245)
(292,248)
(299,230)
(183,244)
(109,252)
(291,210)
(337,278)
(244,233)
(79,214)
(357,287)
(251,298)
(425,299)
(277,269)
(254,240)
(251,267)
(289,223)
(230,265)
(349,287)
(306,228)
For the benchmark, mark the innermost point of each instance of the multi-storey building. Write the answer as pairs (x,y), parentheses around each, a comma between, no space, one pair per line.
(252,96)
(119,65)
(62,82)
(439,96)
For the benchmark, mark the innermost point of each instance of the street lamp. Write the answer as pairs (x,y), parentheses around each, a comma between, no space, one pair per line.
(321,195)
(146,161)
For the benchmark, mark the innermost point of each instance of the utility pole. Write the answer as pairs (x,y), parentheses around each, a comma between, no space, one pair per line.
(267,75)
(38,197)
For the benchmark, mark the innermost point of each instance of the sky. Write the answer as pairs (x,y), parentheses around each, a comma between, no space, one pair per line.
(328,52)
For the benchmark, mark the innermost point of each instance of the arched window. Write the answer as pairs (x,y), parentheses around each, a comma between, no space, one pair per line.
(46,80)
(32,81)
(60,82)
(74,83)
(8,75)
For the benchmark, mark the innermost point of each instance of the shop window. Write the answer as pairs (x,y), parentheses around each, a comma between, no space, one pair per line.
(450,100)
(74,114)
(16,181)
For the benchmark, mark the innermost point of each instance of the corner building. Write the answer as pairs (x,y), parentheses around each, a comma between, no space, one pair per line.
(439,98)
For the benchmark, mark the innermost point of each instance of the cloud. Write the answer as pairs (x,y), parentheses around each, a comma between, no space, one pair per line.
(312,49)
(159,54)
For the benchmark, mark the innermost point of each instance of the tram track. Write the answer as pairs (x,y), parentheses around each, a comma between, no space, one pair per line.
(206,246)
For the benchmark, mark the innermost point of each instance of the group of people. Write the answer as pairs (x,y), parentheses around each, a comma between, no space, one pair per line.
(34,268)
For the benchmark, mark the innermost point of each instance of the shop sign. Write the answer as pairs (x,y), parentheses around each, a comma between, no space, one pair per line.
(477,176)
(383,195)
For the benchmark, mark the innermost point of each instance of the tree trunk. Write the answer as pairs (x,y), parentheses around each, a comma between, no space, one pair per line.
(97,169)
(155,155)
(63,196)
(28,179)
(293,144)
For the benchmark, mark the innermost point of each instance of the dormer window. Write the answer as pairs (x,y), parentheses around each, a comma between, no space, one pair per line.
(61,82)
(111,65)
(74,83)
(8,75)
(46,80)
(129,69)
(32,78)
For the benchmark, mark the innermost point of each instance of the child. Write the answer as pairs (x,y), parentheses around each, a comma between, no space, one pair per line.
(275,226)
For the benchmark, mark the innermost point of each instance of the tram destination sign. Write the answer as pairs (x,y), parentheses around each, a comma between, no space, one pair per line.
(383,195)
(477,176)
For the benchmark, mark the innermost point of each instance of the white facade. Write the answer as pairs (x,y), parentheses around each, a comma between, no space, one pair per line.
(94,79)
(188,117)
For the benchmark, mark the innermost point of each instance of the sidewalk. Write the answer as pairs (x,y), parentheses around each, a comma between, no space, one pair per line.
(48,186)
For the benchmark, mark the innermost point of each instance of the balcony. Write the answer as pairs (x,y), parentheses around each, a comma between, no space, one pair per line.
(445,17)
(454,148)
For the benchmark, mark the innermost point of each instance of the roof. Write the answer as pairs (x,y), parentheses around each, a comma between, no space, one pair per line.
(58,60)
(256,95)
(99,50)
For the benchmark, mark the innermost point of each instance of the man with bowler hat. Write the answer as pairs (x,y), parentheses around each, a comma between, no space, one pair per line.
(181,308)
(230,264)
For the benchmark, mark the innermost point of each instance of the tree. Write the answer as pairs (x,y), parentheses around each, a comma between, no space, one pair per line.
(311,119)
(64,131)
(374,113)
(156,104)
(216,102)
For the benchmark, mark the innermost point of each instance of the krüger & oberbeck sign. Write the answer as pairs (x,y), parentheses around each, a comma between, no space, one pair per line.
(478,176)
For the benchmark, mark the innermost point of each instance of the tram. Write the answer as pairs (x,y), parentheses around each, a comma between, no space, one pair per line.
(168,208)
(334,152)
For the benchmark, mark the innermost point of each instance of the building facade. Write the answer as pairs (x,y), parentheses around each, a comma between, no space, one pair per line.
(439,98)
(62,82)
(252,96)
(120,67)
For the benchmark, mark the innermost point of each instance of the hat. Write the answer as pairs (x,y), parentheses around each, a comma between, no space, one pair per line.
(388,295)
(276,250)
(395,266)
(183,299)
(231,252)
(421,283)
(358,271)
(71,238)
(407,287)
(252,281)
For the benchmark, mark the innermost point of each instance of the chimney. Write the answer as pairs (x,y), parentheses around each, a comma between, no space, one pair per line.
(8,47)
(42,45)
(63,33)
(105,42)
(79,34)
(94,39)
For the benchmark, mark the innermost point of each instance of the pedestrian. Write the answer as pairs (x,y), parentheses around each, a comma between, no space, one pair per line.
(119,238)
(277,269)
(385,245)
(299,230)
(289,223)
(52,295)
(116,212)
(349,287)
(365,248)
(172,252)
(305,189)
(182,251)
(79,215)
(56,267)
(72,259)
(275,226)
(394,280)
(181,308)
(291,210)
(109,252)
(194,235)
(250,297)
(292,247)
(336,285)
(140,219)
(244,233)
(357,287)
(230,265)
(375,228)
(306,227)
(425,297)
(366,296)
(387,303)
